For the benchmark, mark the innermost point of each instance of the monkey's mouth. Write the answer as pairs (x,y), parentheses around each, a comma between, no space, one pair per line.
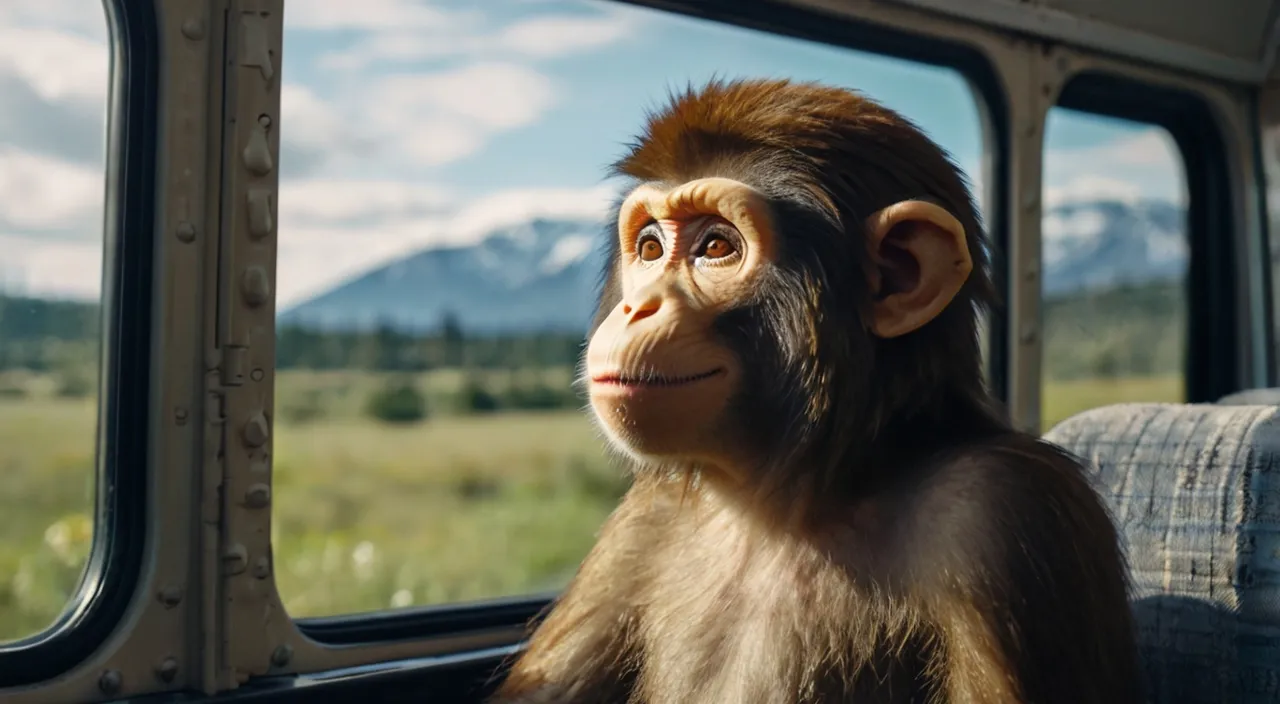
(651,379)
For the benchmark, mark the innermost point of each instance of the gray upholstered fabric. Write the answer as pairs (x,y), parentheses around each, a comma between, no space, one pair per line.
(1196,491)
(1252,397)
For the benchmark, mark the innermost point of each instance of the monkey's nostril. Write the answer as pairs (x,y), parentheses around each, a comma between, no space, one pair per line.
(638,314)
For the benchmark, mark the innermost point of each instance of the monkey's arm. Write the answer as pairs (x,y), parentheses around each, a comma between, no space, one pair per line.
(583,650)
(1037,605)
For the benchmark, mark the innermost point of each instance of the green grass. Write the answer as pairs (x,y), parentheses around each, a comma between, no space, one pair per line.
(1061,400)
(366,516)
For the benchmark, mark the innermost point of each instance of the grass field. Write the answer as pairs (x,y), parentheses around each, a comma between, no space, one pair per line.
(367,516)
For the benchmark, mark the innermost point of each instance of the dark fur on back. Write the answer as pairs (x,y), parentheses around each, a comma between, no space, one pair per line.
(828,159)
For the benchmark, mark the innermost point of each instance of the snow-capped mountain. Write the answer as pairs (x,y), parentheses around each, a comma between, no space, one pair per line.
(1101,244)
(542,275)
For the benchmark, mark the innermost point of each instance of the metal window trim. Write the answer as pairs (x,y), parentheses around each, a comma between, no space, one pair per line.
(1097,36)
(1228,334)
(119,545)
(148,647)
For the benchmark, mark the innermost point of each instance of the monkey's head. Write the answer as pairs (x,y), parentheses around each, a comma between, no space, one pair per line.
(792,277)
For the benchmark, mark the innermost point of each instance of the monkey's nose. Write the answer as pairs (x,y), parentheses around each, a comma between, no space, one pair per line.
(645,308)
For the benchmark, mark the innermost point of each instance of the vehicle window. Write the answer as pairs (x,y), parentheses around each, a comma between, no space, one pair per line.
(1115,255)
(54,78)
(441,207)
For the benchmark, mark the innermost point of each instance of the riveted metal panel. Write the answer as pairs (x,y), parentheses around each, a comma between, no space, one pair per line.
(155,647)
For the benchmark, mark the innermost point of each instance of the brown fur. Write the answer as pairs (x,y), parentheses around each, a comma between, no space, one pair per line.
(896,540)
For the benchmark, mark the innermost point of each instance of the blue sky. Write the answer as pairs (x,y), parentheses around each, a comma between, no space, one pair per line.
(412,123)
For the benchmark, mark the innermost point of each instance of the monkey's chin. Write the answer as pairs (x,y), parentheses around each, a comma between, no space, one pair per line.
(661,421)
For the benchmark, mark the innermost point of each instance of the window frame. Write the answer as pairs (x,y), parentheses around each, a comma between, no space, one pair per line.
(120,537)
(992,102)
(1212,364)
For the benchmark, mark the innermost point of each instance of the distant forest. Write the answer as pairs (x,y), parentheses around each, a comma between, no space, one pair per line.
(1128,331)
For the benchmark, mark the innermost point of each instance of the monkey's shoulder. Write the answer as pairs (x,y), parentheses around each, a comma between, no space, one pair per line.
(1012,467)
(1007,499)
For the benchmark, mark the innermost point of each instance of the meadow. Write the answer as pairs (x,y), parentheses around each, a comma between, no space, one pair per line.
(368,515)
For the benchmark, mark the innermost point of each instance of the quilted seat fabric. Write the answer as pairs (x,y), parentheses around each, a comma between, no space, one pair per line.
(1195,490)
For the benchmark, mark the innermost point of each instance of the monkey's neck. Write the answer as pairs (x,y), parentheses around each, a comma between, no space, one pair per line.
(866,458)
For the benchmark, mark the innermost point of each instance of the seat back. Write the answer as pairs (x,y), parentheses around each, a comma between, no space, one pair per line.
(1252,397)
(1195,491)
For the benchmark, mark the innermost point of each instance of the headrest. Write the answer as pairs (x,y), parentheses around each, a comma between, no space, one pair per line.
(1195,490)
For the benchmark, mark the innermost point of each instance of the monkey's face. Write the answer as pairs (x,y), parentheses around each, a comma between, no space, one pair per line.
(660,378)
(663,374)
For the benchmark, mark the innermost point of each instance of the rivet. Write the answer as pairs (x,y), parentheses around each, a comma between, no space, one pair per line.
(257,375)
(110,682)
(265,121)
(167,670)
(255,285)
(282,655)
(255,431)
(261,568)
(193,29)
(234,559)
(170,595)
(1063,63)
(260,465)
(180,415)
(1031,200)
(185,231)
(1030,273)
(1028,336)
(258,496)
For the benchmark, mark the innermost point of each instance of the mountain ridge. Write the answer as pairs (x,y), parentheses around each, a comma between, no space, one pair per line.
(542,275)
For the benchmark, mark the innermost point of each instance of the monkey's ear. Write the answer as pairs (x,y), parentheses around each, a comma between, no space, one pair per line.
(922,259)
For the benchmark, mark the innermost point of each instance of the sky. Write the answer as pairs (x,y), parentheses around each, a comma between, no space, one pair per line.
(415,123)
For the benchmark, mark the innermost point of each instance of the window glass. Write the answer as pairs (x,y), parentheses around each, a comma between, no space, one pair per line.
(441,204)
(54,78)
(1115,255)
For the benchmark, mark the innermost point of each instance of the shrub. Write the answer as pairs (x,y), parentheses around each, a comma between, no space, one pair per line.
(397,402)
(474,397)
(75,385)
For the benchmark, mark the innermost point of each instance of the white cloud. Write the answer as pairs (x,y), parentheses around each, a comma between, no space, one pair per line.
(490,95)
(410,120)
(60,66)
(316,202)
(1092,187)
(53,268)
(558,36)
(311,121)
(514,206)
(545,37)
(1147,165)
(330,15)
(41,193)
(83,17)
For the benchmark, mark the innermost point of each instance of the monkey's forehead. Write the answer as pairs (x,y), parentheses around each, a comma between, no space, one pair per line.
(743,206)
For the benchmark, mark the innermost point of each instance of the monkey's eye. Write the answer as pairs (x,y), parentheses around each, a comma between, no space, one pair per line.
(649,248)
(716,247)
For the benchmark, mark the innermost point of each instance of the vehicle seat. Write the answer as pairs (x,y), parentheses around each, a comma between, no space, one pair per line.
(1252,397)
(1195,490)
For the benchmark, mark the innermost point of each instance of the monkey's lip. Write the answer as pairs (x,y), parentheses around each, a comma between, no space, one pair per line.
(651,380)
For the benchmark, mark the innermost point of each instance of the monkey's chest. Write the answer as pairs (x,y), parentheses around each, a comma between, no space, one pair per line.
(770,629)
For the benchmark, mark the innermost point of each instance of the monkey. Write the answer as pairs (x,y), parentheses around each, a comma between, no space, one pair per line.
(826,502)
